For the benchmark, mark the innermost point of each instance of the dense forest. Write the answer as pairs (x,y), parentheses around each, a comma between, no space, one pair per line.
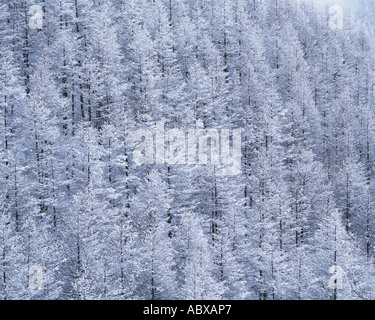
(80,218)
